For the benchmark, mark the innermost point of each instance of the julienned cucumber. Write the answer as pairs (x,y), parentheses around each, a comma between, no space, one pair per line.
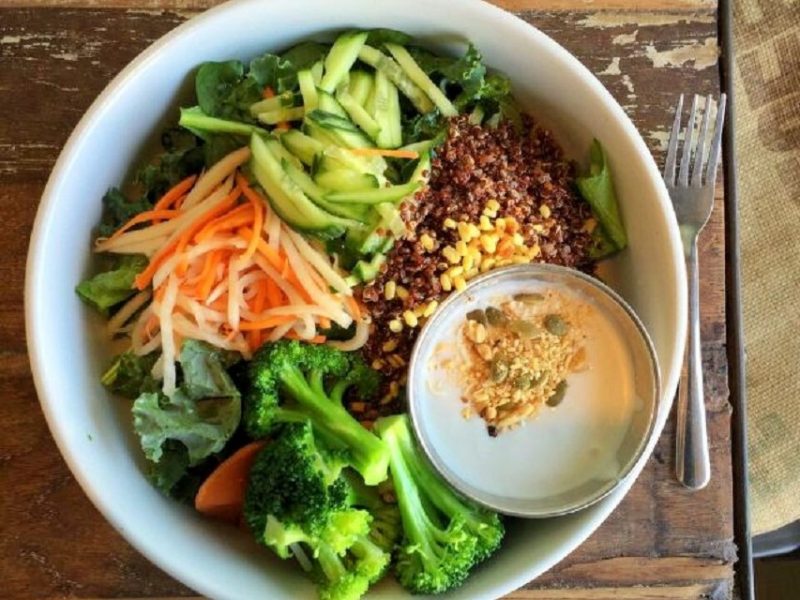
(308,90)
(377,59)
(360,86)
(345,180)
(286,197)
(197,121)
(342,130)
(384,103)
(302,146)
(358,113)
(317,195)
(329,104)
(386,194)
(418,76)
(281,115)
(341,57)
(284,100)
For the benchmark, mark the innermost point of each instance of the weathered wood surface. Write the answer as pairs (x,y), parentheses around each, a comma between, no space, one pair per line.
(662,541)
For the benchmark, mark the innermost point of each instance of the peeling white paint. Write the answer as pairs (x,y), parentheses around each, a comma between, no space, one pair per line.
(604,20)
(613,68)
(68,56)
(10,39)
(626,81)
(623,39)
(661,139)
(702,55)
(661,136)
(144,11)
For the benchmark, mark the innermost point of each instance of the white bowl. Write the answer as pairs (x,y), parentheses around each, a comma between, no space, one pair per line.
(93,430)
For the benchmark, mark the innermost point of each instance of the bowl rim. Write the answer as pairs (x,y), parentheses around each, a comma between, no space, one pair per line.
(47,389)
(533,271)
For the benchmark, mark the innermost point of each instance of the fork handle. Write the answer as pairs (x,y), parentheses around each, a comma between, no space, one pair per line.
(692,463)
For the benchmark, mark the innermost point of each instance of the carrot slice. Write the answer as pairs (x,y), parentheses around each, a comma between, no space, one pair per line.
(385,152)
(272,255)
(144,278)
(221,495)
(241,215)
(274,293)
(355,308)
(172,196)
(258,208)
(268,92)
(267,323)
(317,339)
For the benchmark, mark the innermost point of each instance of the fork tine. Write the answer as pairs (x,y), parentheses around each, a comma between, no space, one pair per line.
(697,170)
(683,175)
(672,149)
(716,144)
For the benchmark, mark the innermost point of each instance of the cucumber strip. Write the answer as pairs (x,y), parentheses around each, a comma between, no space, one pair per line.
(268,104)
(422,171)
(421,146)
(302,146)
(476,116)
(316,72)
(360,85)
(384,102)
(418,76)
(281,115)
(374,165)
(391,218)
(341,58)
(386,194)
(345,180)
(329,104)
(494,120)
(317,195)
(308,89)
(378,60)
(286,198)
(196,120)
(342,130)
(357,113)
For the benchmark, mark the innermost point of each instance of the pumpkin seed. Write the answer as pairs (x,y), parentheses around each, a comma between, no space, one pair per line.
(529,298)
(556,325)
(525,329)
(499,370)
(477,315)
(558,394)
(496,317)
(522,382)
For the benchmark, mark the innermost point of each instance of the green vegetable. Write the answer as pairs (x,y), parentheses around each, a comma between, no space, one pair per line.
(341,57)
(418,76)
(298,503)
(111,287)
(444,535)
(380,36)
(130,375)
(201,416)
(201,124)
(597,189)
(376,59)
(291,380)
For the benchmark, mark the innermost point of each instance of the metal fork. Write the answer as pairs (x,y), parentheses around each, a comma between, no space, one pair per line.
(693,199)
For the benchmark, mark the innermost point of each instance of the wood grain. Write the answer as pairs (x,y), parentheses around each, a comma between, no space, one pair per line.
(661,542)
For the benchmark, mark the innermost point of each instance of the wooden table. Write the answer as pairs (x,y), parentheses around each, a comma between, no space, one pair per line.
(56,56)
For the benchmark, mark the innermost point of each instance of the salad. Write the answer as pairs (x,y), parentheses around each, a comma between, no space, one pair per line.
(266,273)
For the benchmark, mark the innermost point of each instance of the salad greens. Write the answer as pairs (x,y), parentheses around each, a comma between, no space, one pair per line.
(109,288)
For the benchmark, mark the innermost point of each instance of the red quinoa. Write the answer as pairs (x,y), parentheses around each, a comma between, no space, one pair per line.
(521,171)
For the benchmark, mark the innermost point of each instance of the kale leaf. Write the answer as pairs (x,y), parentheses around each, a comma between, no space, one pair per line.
(113,286)
(130,374)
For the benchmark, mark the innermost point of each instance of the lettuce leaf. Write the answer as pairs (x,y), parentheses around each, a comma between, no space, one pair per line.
(130,375)
(597,188)
(109,288)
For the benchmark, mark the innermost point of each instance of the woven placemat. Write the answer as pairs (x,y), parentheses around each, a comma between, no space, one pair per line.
(767,88)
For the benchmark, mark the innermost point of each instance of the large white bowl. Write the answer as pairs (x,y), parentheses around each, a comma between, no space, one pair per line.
(93,430)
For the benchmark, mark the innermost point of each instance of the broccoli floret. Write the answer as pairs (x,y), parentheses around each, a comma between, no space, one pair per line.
(299,504)
(291,381)
(385,527)
(444,535)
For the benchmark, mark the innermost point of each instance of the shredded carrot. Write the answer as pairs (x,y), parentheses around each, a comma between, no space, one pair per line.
(272,255)
(385,152)
(352,304)
(258,222)
(317,339)
(175,193)
(144,278)
(283,126)
(209,277)
(261,297)
(325,322)
(220,303)
(148,215)
(253,338)
(268,92)
(241,215)
(267,323)
(274,293)
(208,216)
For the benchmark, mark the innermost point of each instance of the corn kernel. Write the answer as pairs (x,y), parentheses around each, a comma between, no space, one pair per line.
(512,226)
(518,239)
(544,210)
(487,264)
(455,271)
(451,255)
(500,224)
(463,230)
(419,310)
(389,290)
(468,262)
(493,204)
(489,242)
(378,364)
(459,283)
(389,346)
(410,318)
(534,251)
(394,389)
(589,225)
(538,228)
(473,272)
(426,241)
(396,325)
(401,292)
(485,223)
(449,223)
(520,260)
(404,378)
(430,308)
(447,283)
(461,247)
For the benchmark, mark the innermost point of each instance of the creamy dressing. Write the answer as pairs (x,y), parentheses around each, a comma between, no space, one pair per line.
(578,445)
